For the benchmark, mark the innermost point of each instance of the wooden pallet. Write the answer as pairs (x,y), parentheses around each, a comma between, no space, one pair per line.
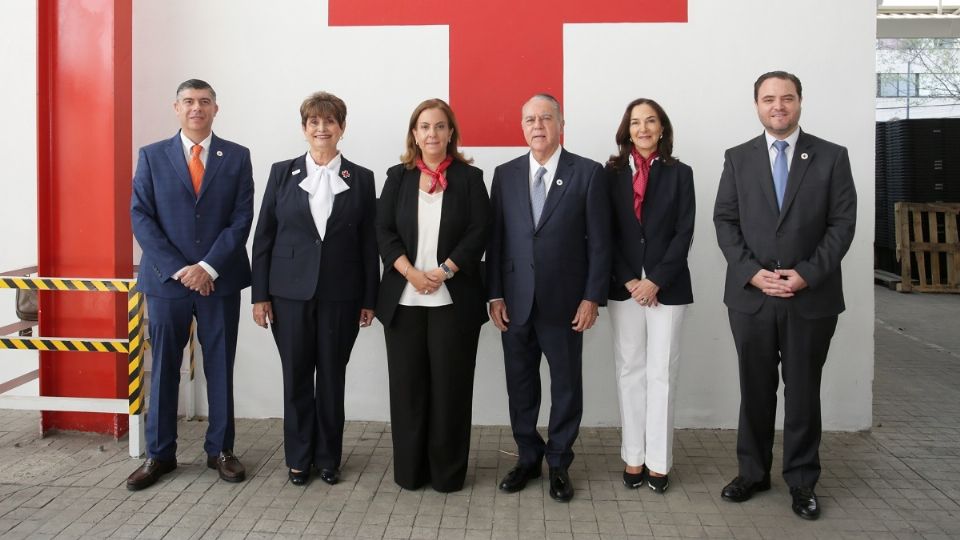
(927,240)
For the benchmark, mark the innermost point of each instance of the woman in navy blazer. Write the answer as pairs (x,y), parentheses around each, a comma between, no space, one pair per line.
(315,276)
(653,205)
(432,225)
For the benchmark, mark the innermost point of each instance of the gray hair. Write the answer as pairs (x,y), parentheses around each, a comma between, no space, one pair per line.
(554,101)
(196,84)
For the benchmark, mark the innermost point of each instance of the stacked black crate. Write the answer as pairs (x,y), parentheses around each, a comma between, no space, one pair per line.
(922,165)
(883,253)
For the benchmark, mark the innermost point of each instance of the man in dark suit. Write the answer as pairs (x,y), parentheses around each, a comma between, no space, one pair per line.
(548,270)
(785,215)
(192,209)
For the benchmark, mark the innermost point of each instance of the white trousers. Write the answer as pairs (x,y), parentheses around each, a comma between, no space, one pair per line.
(646,345)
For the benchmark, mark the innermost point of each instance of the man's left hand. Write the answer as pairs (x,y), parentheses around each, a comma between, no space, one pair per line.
(197,279)
(792,279)
(587,314)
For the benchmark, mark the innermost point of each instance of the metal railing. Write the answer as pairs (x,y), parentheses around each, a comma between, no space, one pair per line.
(133,346)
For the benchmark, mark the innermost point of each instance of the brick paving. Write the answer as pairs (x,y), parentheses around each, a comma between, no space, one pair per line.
(900,480)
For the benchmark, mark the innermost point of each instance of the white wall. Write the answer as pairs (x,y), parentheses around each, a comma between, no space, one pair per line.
(18,172)
(263,60)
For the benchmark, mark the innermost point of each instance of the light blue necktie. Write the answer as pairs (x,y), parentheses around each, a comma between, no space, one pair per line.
(538,194)
(780,170)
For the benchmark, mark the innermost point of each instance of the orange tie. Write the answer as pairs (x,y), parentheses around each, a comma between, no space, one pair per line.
(196,167)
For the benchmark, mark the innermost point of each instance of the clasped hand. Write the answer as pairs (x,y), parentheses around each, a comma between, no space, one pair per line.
(426,282)
(195,278)
(781,283)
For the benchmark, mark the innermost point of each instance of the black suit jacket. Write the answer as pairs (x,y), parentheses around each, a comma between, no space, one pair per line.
(659,246)
(811,234)
(464,226)
(560,261)
(289,258)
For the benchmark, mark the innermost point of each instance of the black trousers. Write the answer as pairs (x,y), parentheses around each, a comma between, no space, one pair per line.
(431,361)
(523,347)
(777,335)
(315,339)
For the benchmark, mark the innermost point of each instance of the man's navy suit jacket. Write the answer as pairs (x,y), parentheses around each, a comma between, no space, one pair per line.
(563,259)
(176,227)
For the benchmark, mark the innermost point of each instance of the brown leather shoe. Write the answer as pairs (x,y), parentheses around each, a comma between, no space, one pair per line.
(147,474)
(228,466)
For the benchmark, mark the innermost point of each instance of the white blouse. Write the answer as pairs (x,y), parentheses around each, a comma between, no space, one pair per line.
(428,233)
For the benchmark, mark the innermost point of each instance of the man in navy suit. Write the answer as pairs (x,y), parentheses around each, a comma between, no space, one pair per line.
(785,215)
(548,270)
(192,209)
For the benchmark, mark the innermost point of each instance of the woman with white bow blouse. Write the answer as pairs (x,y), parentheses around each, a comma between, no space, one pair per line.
(315,279)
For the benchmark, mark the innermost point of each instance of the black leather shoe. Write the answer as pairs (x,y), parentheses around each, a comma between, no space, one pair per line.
(517,478)
(740,489)
(561,489)
(147,474)
(299,478)
(634,480)
(805,502)
(330,476)
(228,466)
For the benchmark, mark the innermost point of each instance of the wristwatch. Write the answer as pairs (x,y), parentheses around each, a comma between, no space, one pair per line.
(446,270)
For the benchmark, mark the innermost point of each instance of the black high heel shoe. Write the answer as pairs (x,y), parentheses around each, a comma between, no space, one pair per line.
(330,476)
(299,478)
(634,480)
(658,484)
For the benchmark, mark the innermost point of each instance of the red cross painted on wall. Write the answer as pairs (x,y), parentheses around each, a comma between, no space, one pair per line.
(504,51)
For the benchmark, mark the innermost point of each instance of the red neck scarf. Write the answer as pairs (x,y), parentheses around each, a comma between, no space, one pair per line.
(437,176)
(640,179)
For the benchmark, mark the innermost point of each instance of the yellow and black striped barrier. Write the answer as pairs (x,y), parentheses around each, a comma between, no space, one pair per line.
(135,351)
(133,345)
(67,284)
(64,344)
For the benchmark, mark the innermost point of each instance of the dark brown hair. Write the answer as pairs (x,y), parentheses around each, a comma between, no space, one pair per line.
(412,151)
(625,145)
(322,105)
(777,75)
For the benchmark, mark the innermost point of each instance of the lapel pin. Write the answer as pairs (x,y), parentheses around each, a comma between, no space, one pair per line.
(296,172)
(219,153)
(345,173)
(804,156)
(559,182)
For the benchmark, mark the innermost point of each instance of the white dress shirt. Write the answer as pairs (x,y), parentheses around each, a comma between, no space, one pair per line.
(792,145)
(550,166)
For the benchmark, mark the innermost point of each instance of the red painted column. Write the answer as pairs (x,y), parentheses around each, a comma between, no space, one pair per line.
(84,60)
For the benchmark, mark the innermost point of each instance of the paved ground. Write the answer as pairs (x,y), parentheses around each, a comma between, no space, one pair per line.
(901,480)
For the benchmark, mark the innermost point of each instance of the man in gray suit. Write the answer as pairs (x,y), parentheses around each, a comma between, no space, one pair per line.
(785,214)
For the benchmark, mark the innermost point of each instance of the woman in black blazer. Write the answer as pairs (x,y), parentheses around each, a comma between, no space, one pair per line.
(432,225)
(653,205)
(315,276)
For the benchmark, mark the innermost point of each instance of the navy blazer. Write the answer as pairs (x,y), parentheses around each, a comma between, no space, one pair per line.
(811,234)
(560,261)
(658,247)
(291,261)
(176,227)
(464,228)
